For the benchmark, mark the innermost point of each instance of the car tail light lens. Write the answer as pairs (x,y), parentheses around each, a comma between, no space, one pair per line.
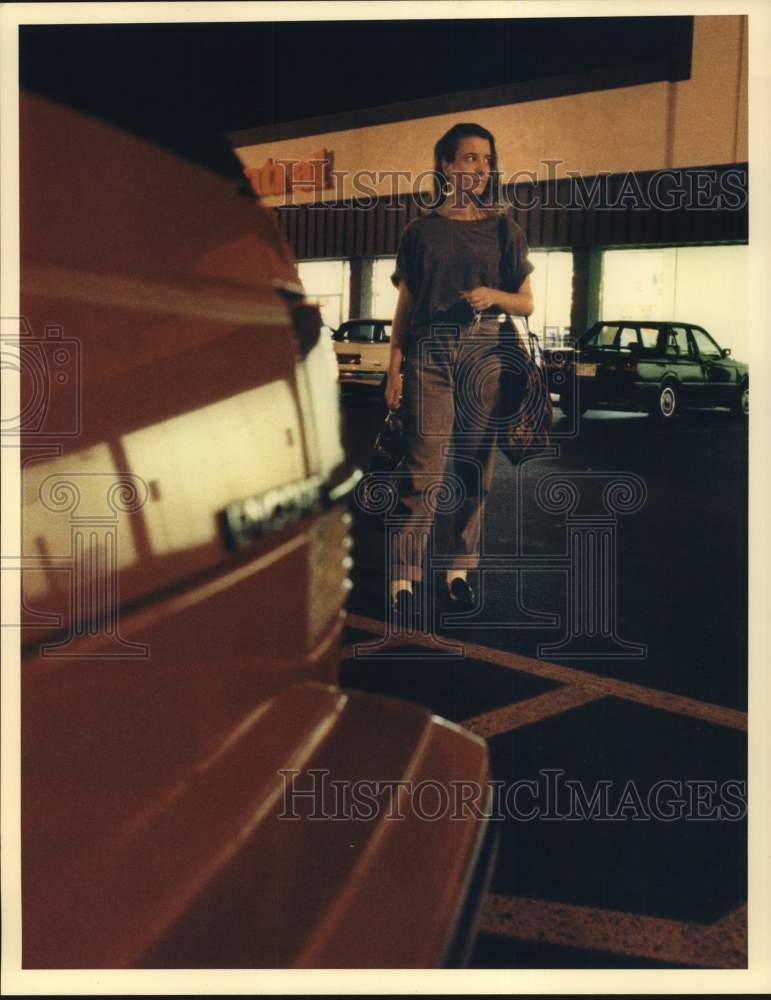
(329,566)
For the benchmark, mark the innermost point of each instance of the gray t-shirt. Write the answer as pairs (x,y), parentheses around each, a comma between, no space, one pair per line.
(438,258)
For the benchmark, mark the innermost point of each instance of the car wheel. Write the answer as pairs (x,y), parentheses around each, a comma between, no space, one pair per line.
(741,404)
(666,403)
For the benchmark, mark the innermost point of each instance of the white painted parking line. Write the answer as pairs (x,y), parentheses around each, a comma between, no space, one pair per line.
(584,679)
(529,711)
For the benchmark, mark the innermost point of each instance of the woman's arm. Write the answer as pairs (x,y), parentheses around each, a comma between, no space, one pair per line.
(399,329)
(519,303)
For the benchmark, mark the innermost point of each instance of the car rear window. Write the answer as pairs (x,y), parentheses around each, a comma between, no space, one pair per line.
(604,336)
(623,337)
(362,332)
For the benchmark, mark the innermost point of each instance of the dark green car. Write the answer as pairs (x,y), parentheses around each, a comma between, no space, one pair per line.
(654,367)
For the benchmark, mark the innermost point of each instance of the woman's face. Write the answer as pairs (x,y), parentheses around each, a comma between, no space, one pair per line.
(470,169)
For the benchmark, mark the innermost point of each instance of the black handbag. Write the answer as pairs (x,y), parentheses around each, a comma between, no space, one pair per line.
(388,450)
(378,490)
(525,397)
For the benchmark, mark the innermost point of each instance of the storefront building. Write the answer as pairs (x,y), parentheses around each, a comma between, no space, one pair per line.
(631,188)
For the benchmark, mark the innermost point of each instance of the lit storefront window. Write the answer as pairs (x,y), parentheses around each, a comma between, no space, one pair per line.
(552,283)
(327,283)
(703,285)
(638,284)
(384,295)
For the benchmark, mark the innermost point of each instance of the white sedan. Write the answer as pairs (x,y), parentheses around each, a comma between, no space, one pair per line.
(362,347)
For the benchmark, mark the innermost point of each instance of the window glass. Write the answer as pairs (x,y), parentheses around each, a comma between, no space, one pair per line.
(683,285)
(627,338)
(361,332)
(638,284)
(605,336)
(552,283)
(384,295)
(705,345)
(649,335)
(326,284)
(677,343)
(703,275)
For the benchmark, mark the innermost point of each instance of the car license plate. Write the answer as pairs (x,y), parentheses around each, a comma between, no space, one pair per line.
(585,368)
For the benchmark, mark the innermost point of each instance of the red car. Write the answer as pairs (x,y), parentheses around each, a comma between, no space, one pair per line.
(186,559)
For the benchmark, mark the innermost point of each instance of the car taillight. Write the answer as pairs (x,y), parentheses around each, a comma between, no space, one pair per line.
(329,566)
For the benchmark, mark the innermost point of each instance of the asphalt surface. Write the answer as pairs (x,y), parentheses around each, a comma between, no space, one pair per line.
(656,692)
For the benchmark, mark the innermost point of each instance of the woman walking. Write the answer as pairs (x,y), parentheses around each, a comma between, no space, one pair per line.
(460,268)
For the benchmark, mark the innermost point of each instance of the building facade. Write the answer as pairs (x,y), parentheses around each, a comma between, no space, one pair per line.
(631,188)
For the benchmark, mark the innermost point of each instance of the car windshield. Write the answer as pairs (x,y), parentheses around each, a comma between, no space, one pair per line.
(705,345)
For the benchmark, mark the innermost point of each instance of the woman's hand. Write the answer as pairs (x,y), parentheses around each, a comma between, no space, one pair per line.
(393,393)
(481,298)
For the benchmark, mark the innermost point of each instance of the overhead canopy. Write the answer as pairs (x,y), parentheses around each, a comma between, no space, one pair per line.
(184,84)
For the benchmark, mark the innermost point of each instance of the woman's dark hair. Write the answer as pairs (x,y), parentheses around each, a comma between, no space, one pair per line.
(446,149)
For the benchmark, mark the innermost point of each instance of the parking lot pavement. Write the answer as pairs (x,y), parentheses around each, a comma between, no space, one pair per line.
(655,874)
(680,558)
(626,843)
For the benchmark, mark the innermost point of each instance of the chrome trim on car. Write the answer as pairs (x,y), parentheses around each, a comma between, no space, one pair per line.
(245,520)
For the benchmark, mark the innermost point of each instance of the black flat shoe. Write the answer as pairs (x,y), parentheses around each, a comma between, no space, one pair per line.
(461,594)
(404,607)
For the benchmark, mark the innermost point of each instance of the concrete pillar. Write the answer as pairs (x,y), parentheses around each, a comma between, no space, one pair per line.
(587,281)
(360,288)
